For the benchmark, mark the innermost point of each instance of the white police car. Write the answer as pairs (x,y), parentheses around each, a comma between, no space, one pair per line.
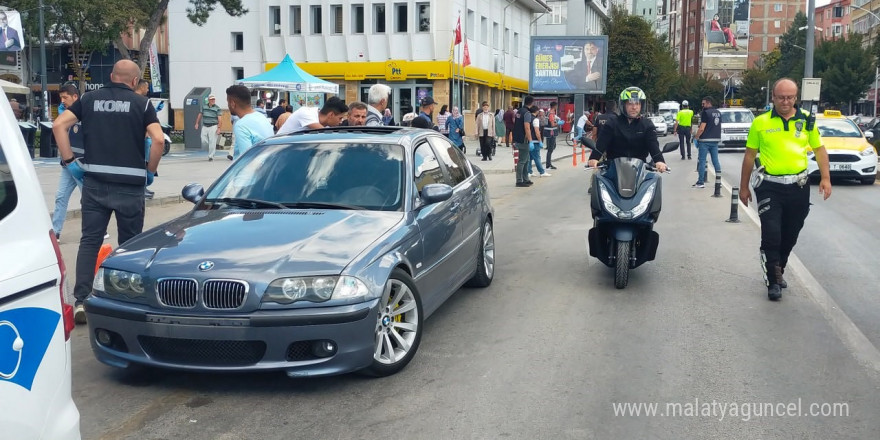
(35,319)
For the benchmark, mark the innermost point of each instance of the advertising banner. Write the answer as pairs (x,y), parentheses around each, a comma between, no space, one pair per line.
(726,26)
(564,65)
(11,37)
(155,77)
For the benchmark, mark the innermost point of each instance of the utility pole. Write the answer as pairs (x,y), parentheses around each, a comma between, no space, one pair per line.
(44,91)
(811,38)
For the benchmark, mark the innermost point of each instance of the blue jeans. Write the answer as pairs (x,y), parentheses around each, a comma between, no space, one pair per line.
(702,148)
(66,184)
(535,155)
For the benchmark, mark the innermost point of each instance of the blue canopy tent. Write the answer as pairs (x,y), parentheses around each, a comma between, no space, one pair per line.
(287,76)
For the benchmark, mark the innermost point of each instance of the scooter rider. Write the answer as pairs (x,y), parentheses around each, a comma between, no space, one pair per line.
(629,134)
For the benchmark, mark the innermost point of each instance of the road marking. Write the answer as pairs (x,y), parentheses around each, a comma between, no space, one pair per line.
(865,352)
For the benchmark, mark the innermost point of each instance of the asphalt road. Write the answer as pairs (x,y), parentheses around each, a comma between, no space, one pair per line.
(548,349)
(839,244)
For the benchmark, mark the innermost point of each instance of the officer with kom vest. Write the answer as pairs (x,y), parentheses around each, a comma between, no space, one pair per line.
(115,121)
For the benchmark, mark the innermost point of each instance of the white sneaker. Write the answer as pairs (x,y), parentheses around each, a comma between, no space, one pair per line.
(79,314)
(530,174)
(106,236)
(546,174)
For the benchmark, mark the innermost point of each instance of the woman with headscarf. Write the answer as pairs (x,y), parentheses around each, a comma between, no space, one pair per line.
(388,119)
(455,125)
(500,129)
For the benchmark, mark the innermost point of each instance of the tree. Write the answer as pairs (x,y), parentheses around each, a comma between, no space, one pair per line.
(637,57)
(754,88)
(792,46)
(846,69)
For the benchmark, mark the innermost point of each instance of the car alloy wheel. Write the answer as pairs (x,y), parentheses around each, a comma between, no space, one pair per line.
(485,258)
(398,325)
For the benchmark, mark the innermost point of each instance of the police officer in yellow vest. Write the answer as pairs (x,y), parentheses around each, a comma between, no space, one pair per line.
(782,137)
(683,120)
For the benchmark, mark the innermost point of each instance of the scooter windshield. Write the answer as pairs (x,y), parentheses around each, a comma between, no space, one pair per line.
(630,172)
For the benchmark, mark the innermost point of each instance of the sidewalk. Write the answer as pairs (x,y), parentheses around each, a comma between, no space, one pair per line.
(180,167)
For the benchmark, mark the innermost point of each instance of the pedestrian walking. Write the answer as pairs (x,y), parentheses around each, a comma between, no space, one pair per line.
(115,121)
(782,191)
(441,120)
(601,122)
(455,125)
(377,103)
(509,122)
(143,89)
(66,183)
(707,138)
(209,117)
(500,129)
(486,131)
(537,142)
(278,110)
(550,133)
(252,127)
(426,109)
(682,127)
(304,118)
(522,139)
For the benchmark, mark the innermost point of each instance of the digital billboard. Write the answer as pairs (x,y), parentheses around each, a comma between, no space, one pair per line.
(10,31)
(726,28)
(561,65)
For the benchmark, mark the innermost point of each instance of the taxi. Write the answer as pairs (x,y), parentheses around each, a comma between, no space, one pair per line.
(850,153)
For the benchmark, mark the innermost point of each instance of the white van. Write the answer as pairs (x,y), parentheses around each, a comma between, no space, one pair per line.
(735,124)
(35,318)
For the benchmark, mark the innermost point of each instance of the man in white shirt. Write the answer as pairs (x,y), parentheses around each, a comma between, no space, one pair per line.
(377,102)
(307,118)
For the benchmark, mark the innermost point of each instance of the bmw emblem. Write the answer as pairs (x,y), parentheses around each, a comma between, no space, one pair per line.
(206,266)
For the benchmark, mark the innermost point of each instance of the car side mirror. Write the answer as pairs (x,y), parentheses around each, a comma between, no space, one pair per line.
(869,135)
(670,147)
(435,193)
(193,192)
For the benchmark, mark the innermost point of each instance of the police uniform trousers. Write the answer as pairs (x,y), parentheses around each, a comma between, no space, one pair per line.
(783,209)
(684,138)
(99,200)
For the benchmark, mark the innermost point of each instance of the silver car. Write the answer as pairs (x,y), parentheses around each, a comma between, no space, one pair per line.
(316,253)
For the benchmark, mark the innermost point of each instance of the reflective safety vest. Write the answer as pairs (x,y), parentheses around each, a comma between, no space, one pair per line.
(114,121)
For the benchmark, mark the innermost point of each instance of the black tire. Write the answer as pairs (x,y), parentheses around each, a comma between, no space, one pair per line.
(621,268)
(868,180)
(485,258)
(568,139)
(385,364)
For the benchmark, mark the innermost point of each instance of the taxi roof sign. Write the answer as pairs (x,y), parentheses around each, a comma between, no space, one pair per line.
(832,113)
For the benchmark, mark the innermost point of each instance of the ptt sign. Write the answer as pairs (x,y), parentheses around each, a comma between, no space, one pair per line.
(394,71)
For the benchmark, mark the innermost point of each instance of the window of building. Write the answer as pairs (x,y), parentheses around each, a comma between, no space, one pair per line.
(423,17)
(295,20)
(558,12)
(317,20)
(470,24)
(484,30)
(496,36)
(274,20)
(516,44)
(336,12)
(357,19)
(777,7)
(400,17)
(507,39)
(379,19)
(237,42)
(237,73)
(837,30)
(777,23)
(776,40)
(838,11)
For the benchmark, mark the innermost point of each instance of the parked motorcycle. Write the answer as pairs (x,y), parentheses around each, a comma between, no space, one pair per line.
(625,205)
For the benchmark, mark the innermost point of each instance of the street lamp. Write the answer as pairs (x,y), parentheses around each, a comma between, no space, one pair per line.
(877,68)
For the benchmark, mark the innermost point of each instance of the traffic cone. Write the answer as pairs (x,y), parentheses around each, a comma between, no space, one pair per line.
(102,255)
(583,153)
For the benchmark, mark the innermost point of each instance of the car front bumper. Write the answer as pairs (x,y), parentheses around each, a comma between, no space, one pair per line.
(259,341)
(846,164)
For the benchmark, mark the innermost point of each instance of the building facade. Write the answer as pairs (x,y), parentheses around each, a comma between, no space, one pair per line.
(834,20)
(405,44)
(572,17)
(770,20)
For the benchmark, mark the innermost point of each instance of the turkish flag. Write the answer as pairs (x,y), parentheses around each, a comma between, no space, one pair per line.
(458,31)
(467,56)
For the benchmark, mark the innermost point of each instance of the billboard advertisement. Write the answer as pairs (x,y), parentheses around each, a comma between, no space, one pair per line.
(726,27)
(11,38)
(562,65)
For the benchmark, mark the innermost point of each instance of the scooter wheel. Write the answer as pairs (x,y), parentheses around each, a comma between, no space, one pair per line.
(621,267)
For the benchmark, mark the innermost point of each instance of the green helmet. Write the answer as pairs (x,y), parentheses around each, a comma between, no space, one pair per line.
(631,94)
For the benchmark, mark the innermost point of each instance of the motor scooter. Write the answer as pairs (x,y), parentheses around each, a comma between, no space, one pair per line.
(625,204)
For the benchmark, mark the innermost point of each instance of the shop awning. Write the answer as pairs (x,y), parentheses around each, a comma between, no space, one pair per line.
(11,87)
(289,77)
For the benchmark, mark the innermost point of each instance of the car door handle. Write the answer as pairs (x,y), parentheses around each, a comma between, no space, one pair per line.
(454,206)
(476,190)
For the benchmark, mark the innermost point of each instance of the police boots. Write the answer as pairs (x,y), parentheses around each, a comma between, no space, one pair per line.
(774,289)
(779,280)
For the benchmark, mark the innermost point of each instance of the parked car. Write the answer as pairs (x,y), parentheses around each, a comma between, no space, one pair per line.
(35,317)
(850,154)
(660,125)
(735,124)
(317,253)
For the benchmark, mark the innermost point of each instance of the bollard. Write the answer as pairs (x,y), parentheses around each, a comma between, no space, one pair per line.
(734,205)
(717,185)
(574,155)
(583,153)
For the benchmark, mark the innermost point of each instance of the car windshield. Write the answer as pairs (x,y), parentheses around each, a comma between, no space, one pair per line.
(658,120)
(322,176)
(738,117)
(838,128)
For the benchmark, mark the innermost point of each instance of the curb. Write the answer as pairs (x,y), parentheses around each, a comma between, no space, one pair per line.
(513,169)
(155,201)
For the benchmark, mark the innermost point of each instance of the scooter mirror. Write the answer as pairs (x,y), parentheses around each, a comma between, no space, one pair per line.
(670,146)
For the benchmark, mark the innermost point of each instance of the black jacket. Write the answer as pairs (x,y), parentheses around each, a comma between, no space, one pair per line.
(624,138)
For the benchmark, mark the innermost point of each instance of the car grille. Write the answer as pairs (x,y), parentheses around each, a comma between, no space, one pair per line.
(203,351)
(223,294)
(176,292)
(300,351)
(736,130)
(843,158)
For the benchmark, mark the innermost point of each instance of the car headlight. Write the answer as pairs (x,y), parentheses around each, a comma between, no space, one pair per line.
(119,283)
(867,151)
(314,289)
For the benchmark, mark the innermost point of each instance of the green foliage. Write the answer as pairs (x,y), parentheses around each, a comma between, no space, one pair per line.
(694,88)
(199,10)
(754,88)
(791,44)
(638,57)
(846,69)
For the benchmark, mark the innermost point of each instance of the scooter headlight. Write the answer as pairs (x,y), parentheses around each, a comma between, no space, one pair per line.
(644,203)
(607,202)
(640,209)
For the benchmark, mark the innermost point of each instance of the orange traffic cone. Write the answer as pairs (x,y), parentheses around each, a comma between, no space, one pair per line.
(583,153)
(102,255)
